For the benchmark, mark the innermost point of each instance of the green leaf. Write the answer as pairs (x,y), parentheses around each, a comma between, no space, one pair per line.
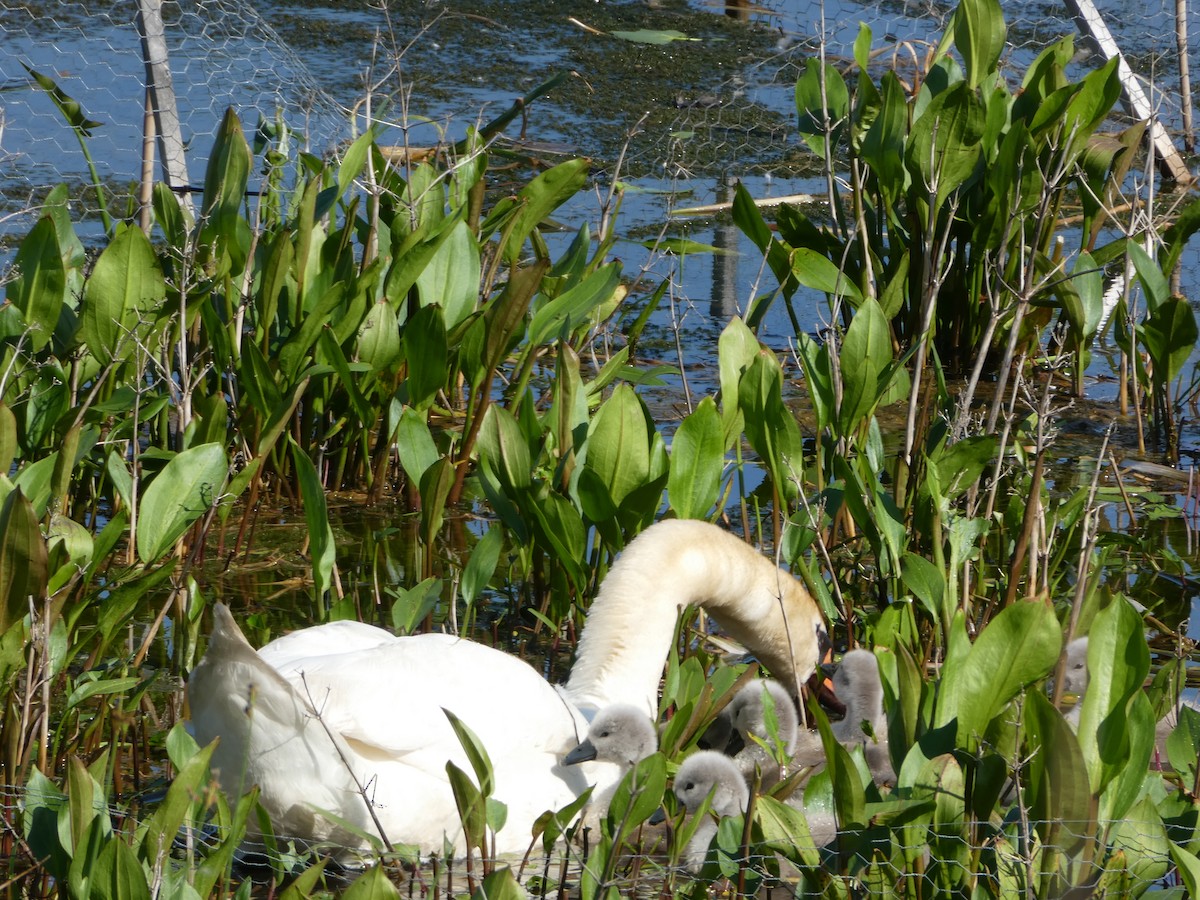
(823,102)
(451,277)
(40,285)
(944,147)
(637,796)
(541,197)
(427,353)
(225,182)
(697,461)
(186,488)
(575,306)
(124,290)
(1183,744)
(23,559)
(434,488)
(979,34)
(482,565)
(379,344)
(503,444)
(618,445)
(415,445)
(321,547)
(1118,661)
(814,270)
(1056,782)
(1018,647)
(372,884)
(648,36)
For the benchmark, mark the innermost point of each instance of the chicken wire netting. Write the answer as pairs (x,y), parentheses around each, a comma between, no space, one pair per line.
(1126,859)
(719,101)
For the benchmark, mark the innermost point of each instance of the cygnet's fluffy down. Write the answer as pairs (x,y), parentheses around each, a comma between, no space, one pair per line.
(1075,677)
(858,685)
(620,734)
(748,714)
(701,774)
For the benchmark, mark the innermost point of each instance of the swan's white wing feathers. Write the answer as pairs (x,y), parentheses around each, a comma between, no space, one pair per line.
(383,699)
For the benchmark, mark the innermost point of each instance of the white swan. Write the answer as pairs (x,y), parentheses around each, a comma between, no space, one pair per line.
(620,734)
(703,773)
(347,718)
(858,685)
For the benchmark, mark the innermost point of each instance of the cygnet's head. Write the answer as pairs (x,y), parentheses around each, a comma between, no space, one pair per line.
(748,713)
(1075,672)
(708,771)
(858,685)
(620,733)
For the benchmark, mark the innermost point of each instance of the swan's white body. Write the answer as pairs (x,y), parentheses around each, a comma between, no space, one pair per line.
(317,714)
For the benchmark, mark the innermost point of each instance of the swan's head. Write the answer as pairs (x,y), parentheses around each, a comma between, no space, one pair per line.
(620,733)
(709,772)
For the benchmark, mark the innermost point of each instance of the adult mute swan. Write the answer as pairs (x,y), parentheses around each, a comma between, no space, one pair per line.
(347,719)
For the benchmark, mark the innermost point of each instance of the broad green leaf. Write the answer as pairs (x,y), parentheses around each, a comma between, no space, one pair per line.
(354,160)
(450,279)
(186,488)
(637,796)
(1183,744)
(944,146)
(121,295)
(1118,661)
(502,443)
(1170,335)
(379,338)
(539,198)
(1055,779)
(39,288)
(23,560)
(1154,283)
(814,270)
(771,427)
(618,445)
(823,102)
(574,307)
(866,353)
(979,34)
(225,182)
(435,485)
(697,461)
(427,353)
(372,884)
(414,444)
(1018,647)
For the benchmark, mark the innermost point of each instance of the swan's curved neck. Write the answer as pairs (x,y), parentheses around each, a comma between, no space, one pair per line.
(679,563)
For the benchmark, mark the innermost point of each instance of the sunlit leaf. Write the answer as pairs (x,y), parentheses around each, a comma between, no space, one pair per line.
(186,488)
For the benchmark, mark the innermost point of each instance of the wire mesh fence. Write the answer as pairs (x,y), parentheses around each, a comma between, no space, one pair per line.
(703,108)
(1124,859)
